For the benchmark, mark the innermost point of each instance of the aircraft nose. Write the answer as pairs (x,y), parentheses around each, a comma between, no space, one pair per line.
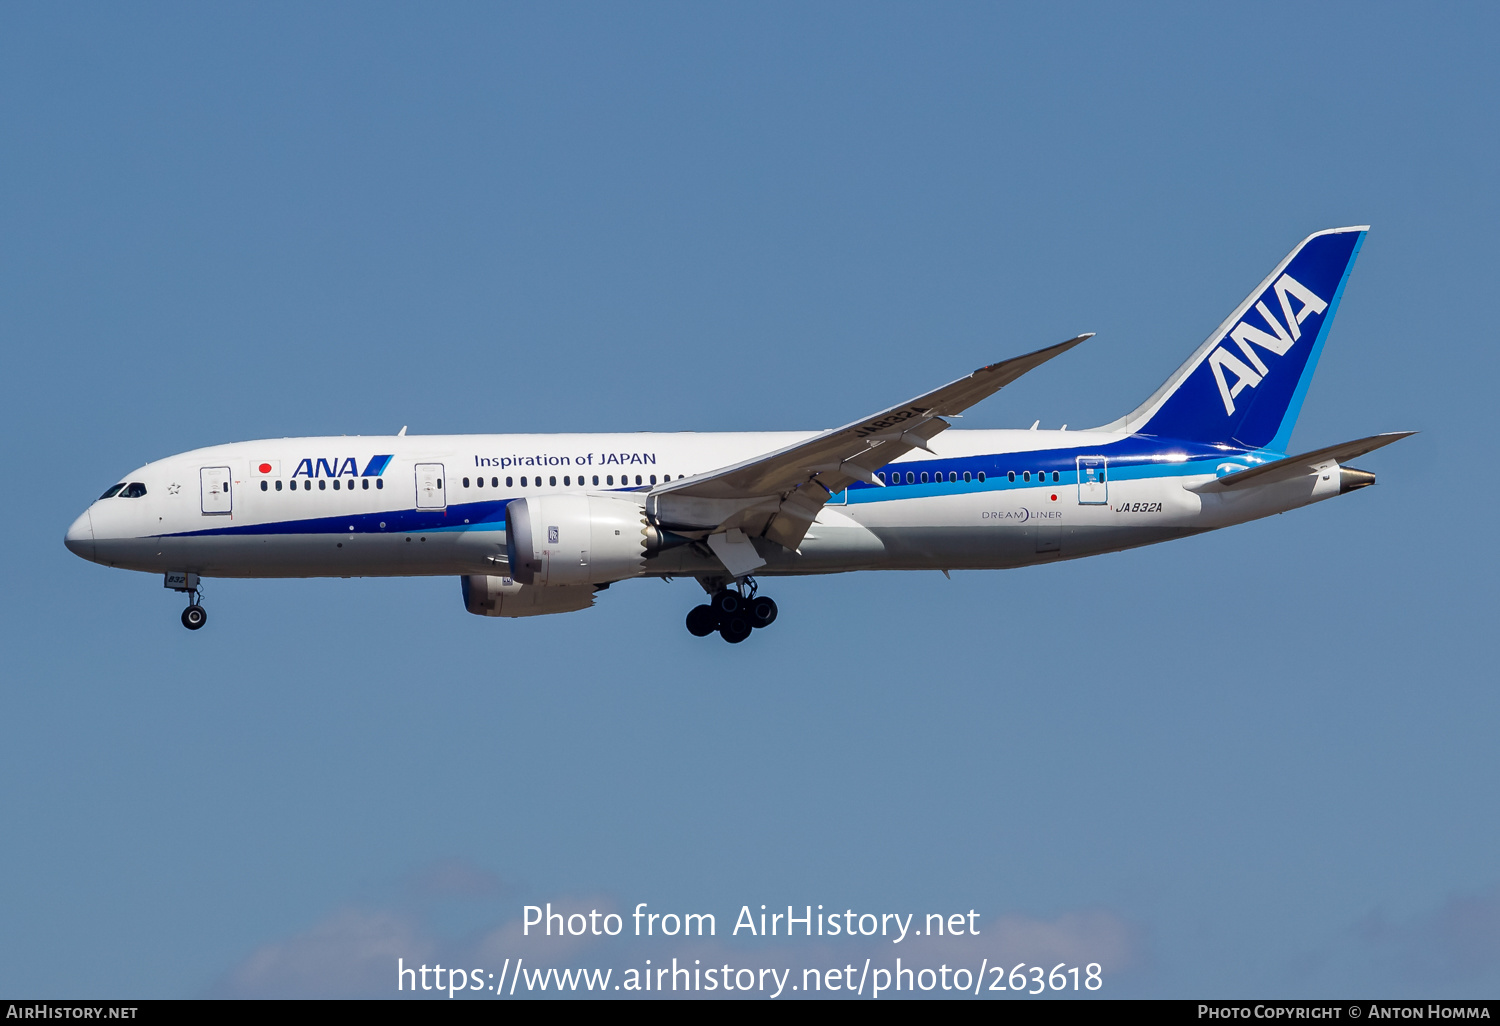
(80,537)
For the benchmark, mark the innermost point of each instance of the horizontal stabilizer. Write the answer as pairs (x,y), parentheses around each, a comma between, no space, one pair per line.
(1300,466)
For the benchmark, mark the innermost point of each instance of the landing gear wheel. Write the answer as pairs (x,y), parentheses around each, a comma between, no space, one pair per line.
(735,629)
(762,611)
(727,603)
(702,621)
(194,617)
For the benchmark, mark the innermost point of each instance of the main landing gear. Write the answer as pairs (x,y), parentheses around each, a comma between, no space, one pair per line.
(194,616)
(733,612)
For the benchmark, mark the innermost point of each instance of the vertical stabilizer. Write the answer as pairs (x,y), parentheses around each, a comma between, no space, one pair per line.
(1245,385)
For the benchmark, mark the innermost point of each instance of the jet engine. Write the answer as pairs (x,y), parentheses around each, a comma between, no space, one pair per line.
(501,596)
(560,540)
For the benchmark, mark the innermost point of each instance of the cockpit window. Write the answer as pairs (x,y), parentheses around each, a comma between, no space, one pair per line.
(111,493)
(134,490)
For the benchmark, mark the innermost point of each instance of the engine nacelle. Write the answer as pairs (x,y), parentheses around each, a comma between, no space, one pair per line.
(503,596)
(559,540)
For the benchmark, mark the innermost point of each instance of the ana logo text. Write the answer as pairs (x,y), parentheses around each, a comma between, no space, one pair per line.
(1245,335)
(342,466)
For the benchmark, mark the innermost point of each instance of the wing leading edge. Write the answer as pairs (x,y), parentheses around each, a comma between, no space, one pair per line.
(777,496)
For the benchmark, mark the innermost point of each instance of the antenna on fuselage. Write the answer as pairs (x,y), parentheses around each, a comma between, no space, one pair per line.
(402,432)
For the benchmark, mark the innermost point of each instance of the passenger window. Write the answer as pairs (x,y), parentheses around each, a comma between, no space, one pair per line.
(466,482)
(278,485)
(523,482)
(379,482)
(365,484)
(1011,476)
(335,484)
(609,479)
(653,479)
(110,493)
(596,479)
(264,487)
(953,476)
(1056,477)
(981,477)
(322,485)
(924,477)
(637,479)
(911,478)
(553,482)
(510,482)
(566,481)
(968,477)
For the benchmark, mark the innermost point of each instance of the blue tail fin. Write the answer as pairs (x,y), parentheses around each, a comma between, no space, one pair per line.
(1245,385)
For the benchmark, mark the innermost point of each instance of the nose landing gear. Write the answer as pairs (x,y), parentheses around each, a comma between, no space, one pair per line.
(194,616)
(734,612)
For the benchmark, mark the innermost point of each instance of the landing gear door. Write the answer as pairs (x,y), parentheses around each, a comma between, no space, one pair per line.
(215,483)
(430,493)
(1093,481)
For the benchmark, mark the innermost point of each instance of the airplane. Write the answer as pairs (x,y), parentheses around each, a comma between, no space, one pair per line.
(535,524)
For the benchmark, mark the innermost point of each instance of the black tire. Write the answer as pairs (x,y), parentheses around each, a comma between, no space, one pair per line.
(194,617)
(702,621)
(762,611)
(727,603)
(735,629)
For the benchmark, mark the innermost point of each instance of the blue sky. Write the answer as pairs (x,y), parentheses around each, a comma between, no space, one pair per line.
(1257,762)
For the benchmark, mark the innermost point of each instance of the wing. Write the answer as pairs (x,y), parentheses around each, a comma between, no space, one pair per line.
(777,496)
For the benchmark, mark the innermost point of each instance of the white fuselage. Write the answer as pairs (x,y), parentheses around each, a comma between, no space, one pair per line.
(354,506)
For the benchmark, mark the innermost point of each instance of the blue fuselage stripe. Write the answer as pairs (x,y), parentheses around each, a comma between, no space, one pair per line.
(1138,457)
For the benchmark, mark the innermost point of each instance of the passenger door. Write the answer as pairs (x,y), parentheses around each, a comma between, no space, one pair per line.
(430,491)
(215,485)
(1093,481)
